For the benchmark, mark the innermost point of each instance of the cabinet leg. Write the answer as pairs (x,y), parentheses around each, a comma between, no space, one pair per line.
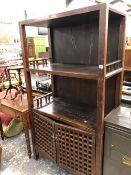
(36,154)
(27,138)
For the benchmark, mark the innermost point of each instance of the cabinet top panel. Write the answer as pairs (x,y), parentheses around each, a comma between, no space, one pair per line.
(120,117)
(88,13)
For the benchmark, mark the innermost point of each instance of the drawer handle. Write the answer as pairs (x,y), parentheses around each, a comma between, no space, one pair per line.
(126,160)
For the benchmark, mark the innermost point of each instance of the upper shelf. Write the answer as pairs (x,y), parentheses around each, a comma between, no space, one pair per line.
(69,70)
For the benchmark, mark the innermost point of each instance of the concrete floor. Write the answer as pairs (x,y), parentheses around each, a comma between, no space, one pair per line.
(15,160)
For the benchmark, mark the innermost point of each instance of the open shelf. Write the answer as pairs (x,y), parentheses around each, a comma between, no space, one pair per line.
(82,116)
(69,70)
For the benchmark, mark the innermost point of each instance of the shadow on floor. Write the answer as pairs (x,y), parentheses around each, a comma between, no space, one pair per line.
(15,160)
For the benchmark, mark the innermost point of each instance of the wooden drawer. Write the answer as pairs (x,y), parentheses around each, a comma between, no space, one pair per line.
(121,142)
(117,152)
(8,111)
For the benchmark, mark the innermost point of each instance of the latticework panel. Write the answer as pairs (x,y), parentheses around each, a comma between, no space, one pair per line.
(76,150)
(44,135)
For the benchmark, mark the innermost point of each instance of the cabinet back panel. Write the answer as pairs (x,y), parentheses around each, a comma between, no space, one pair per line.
(77,90)
(113,39)
(76,44)
(110,92)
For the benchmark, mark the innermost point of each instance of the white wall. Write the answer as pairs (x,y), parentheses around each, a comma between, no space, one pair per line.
(128,26)
(13,10)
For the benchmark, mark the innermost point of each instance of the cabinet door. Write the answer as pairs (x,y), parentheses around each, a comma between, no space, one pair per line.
(44,135)
(75,150)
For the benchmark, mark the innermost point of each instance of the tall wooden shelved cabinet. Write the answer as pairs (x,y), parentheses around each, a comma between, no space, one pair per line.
(87,50)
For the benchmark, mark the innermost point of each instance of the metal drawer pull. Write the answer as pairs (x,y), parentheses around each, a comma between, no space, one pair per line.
(126,160)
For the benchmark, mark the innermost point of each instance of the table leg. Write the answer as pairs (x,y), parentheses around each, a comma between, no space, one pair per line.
(27,137)
(46,62)
(37,64)
(33,64)
(43,63)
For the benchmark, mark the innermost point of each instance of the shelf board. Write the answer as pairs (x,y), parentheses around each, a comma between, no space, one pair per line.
(69,70)
(82,116)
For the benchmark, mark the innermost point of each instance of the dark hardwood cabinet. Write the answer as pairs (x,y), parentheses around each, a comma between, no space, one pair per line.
(86,48)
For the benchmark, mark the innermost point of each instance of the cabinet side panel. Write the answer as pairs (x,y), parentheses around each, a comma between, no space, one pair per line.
(110,94)
(77,90)
(76,44)
(113,38)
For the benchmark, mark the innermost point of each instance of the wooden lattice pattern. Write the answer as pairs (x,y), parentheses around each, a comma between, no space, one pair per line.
(44,132)
(76,149)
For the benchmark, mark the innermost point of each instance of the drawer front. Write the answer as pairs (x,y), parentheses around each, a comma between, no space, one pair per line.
(121,142)
(117,152)
(8,111)
(44,135)
(76,150)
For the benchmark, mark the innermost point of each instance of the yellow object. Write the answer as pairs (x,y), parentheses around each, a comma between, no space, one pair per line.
(6,83)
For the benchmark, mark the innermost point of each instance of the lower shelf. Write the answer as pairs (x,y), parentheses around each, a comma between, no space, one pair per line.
(81,116)
(69,147)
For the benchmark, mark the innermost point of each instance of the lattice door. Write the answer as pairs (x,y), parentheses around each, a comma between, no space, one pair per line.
(44,135)
(76,149)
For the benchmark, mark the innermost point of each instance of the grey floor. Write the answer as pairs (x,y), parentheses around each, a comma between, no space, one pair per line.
(15,160)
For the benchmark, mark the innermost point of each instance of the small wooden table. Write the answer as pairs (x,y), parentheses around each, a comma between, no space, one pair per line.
(17,109)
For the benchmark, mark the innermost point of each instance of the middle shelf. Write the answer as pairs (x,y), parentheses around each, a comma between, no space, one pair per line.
(78,71)
(69,70)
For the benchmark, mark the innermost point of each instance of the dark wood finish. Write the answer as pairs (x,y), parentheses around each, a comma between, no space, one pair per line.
(78,48)
(76,149)
(113,38)
(69,70)
(68,146)
(44,140)
(127,61)
(73,114)
(102,52)
(86,51)
(85,92)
